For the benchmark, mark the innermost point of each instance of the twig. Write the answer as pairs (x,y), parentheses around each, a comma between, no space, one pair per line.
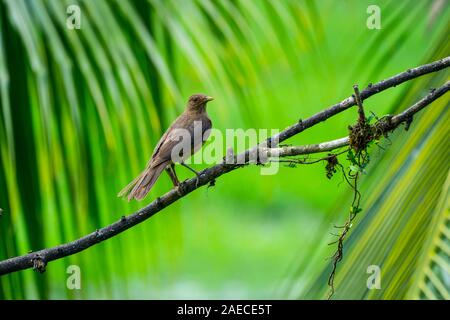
(307,149)
(419,105)
(211,174)
(362,116)
(392,124)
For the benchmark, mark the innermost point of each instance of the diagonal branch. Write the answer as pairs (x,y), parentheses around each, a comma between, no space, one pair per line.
(366,93)
(362,116)
(306,149)
(391,125)
(39,259)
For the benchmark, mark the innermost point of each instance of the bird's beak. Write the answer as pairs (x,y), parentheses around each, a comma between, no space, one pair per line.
(209,98)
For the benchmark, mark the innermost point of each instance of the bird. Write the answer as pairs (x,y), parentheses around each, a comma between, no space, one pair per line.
(187,133)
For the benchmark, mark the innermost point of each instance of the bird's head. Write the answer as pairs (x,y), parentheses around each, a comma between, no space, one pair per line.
(197,102)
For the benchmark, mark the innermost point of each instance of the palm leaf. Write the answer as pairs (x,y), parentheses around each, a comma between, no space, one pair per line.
(81,109)
(433,271)
(398,209)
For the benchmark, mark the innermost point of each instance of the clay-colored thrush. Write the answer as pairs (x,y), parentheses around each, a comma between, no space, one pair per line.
(188,132)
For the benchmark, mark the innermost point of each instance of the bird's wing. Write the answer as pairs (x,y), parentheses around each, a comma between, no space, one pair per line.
(165,147)
(168,135)
(207,125)
(174,135)
(160,142)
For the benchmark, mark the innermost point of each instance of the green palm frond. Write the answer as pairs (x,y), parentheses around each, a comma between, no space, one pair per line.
(397,211)
(432,280)
(400,198)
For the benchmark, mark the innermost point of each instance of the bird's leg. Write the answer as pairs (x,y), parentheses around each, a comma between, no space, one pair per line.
(173,176)
(196,173)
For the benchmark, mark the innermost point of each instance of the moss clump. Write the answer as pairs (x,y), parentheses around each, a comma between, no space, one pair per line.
(360,135)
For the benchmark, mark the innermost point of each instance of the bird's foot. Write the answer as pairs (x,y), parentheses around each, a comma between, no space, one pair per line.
(180,188)
(194,171)
(197,180)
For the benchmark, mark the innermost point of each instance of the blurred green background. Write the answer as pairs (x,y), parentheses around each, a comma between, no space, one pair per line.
(81,110)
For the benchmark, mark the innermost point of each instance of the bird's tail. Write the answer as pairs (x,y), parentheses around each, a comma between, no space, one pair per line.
(139,187)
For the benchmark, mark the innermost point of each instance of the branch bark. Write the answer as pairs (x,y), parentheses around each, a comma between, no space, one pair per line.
(307,149)
(38,260)
(393,123)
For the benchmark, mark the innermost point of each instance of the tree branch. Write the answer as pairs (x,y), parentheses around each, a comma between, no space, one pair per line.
(357,97)
(366,93)
(392,124)
(38,260)
(288,151)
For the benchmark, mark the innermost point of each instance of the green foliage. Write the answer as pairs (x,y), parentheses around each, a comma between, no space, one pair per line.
(431,278)
(80,111)
(403,226)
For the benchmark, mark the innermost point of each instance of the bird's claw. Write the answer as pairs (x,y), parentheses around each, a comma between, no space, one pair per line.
(180,188)
(197,180)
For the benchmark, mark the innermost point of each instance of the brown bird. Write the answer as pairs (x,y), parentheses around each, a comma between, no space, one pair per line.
(184,137)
